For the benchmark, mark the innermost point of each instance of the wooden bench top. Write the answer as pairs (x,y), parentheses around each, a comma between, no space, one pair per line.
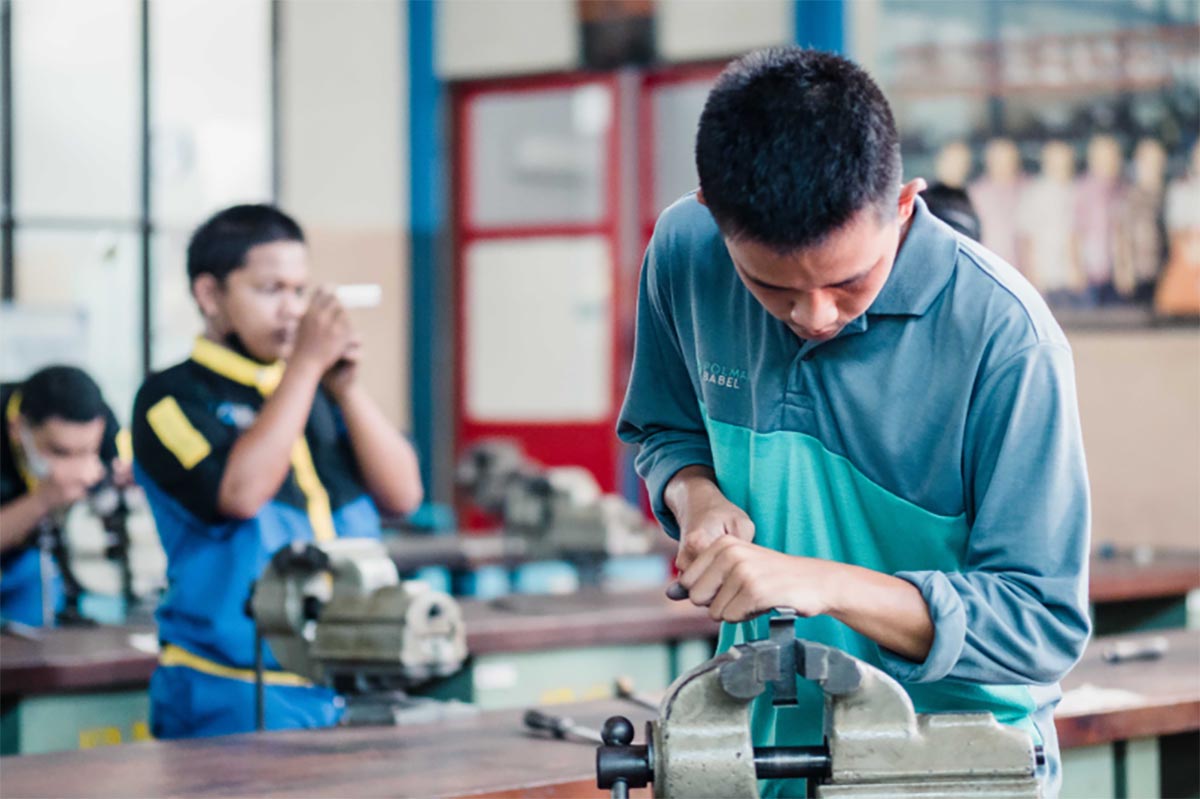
(492,755)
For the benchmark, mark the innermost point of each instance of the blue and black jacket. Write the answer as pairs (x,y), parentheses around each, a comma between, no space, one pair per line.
(21,591)
(186,420)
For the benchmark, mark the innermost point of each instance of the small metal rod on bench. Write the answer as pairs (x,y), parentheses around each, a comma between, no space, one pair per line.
(559,726)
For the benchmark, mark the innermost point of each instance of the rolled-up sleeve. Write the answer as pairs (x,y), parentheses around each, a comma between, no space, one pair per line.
(1018,611)
(661,414)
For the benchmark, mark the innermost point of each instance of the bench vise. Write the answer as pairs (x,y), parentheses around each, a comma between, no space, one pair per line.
(555,512)
(876,745)
(338,614)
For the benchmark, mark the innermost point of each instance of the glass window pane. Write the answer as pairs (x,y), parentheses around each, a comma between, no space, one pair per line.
(95,273)
(4,167)
(176,320)
(539,157)
(36,336)
(211,116)
(76,90)
(543,355)
(677,110)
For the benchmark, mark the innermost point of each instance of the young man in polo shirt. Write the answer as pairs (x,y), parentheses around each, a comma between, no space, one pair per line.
(844,407)
(60,439)
(262,437)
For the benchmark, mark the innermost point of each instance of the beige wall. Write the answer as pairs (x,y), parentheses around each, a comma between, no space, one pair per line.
(1139,398)
(344,135)
(700,29)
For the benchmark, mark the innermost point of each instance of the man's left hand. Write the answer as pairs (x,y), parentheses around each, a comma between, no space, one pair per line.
(122,472)
(341,375)
(737,580)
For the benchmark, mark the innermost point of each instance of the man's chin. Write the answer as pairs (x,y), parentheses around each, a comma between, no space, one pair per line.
(270,351)
(819,336)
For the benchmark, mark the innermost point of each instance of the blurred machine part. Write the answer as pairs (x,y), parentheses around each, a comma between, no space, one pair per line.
(114,555)
(339,615)
(557,512)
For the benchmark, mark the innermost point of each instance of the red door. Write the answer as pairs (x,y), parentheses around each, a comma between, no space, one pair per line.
(537,246)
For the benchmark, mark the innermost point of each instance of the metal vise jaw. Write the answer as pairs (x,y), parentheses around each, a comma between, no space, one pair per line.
(876,746)
(880,748)
(341,610)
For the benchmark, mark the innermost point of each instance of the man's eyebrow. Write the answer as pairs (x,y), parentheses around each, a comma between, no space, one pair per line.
(764,283)
(853,278)
(840,284)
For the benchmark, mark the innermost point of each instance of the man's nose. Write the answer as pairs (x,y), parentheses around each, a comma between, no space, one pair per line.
(814,311)
(294,305)
(87,470)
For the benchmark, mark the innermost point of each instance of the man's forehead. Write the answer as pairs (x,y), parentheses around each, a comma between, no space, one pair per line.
(58,429)
(843,256)
(277,258)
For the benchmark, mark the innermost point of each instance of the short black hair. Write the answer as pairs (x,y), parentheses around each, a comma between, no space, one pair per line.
(792,143)
(219,246)
(953,206)
(62,392)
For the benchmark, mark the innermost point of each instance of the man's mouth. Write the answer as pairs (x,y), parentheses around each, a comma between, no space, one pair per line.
(824,334)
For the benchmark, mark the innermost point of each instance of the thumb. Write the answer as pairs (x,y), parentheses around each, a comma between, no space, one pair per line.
(94,473)
(742,528)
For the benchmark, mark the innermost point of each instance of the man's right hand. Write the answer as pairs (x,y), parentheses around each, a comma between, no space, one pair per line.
(64,487)
(325,332)
(703,513)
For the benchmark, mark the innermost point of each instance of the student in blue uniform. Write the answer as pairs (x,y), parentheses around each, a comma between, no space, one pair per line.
(845,408)
(60,439)
(262,437)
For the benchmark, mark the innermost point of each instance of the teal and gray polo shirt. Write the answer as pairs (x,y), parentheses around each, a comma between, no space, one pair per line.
(936,438)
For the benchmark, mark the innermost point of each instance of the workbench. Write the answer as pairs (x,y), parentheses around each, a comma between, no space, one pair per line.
(1130,594)
(75,688)
(457,562)
(84,687)
(1140,743)
(492,755)
(78,688)
(1129,590)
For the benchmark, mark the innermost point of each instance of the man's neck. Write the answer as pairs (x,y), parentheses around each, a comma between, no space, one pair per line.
(904,231)
(230,341)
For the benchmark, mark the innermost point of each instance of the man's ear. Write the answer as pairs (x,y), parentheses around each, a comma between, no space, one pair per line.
(908,196)
(207,291)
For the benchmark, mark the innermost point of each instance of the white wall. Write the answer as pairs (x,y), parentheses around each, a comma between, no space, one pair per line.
(480,38)
(345,165)
(690,30)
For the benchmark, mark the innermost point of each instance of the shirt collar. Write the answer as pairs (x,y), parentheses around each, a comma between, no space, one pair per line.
(237,367)
(12,414)
(922,267)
